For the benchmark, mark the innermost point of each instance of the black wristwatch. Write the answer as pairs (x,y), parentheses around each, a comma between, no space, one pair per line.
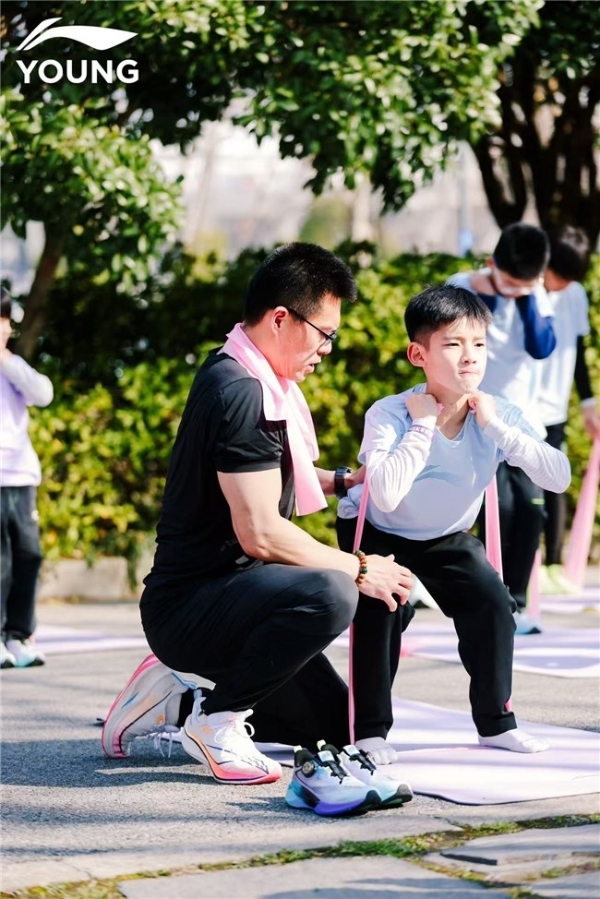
(339,482)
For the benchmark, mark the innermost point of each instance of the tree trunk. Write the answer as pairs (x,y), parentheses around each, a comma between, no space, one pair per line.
(35,306)
(545,152)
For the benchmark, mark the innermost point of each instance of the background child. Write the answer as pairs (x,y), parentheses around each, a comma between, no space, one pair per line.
(20,551)
(427,473)
(569,261)
(520,331)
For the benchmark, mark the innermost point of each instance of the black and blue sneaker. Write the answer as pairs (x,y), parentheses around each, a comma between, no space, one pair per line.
(322,785)
(392,792)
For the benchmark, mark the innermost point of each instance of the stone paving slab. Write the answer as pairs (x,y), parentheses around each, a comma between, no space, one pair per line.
(381,877)
(226,840)
(529,845)
(576,886)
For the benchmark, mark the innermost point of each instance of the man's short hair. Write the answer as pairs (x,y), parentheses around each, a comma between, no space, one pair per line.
(569,253)
(5,303)
(522,251)
(436,307)
(297,276)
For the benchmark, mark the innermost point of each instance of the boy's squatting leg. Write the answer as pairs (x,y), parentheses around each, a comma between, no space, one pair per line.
(485,630)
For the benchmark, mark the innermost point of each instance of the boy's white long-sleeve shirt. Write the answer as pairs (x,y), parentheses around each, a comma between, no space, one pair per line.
(20,386)
(424,485)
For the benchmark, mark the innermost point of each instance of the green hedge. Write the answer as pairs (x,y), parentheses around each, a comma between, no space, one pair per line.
(104,446)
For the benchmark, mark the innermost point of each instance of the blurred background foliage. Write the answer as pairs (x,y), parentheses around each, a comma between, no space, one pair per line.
(122,368)
(377,93)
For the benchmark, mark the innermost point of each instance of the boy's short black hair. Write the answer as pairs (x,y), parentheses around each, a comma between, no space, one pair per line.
(5,303)
(435,307)
(297,276)
(522,251)
(569,253)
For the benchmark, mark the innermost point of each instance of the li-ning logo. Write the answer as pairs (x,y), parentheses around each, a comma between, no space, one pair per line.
(76,71)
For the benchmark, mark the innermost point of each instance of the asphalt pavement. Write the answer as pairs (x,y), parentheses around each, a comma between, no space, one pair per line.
(70,814)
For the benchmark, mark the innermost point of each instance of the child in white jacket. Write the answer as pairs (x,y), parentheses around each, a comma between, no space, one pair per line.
(430,452)
(20,551)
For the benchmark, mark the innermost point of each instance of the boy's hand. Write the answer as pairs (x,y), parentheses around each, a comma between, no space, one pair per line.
(356,477)
(484,407)
(387,581)
(482,283)
(591,421)
(421,405)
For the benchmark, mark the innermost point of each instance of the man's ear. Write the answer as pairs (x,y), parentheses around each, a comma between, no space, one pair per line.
(416,354)
(278,316)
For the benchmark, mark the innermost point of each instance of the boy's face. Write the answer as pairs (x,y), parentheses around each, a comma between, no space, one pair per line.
(5,331)
(553,282)
(507,286)
(454,360)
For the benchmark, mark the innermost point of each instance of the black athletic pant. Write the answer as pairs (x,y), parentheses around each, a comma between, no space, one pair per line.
(467,589)
(259,635)
(556,505)
(20,560)
(522,518)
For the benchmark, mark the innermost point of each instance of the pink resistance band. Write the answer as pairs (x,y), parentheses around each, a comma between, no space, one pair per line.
(493,546)
(493,551)
(583,521)
(360,523)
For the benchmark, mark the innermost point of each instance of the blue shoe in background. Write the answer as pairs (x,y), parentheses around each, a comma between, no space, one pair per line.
(525,624)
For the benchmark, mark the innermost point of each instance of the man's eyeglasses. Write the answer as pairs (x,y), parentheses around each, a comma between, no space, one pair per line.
(328,337)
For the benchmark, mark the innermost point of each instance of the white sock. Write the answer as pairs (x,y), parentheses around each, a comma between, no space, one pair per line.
(382,753)
(515,740)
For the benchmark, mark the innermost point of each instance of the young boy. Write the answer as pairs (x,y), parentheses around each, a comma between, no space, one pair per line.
(520,332)
(20,551)
(569,262)
(430,452)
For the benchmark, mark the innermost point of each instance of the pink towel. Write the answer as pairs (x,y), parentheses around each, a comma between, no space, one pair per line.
(284,401)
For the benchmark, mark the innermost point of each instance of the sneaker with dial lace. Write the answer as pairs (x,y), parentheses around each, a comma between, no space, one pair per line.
(321,784)
(392,792)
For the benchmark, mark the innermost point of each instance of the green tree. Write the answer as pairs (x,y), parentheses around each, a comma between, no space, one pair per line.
(545,147)
(380,88)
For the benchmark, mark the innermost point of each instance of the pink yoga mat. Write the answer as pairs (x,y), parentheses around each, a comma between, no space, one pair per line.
(583,521)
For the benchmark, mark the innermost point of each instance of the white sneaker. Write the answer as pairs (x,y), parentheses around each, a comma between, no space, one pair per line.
(392,792)
(7,659)
(560,582)
(222,742)
(24,653)
(148,704)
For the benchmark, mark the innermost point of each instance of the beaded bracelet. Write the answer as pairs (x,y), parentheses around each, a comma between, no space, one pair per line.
(362,567)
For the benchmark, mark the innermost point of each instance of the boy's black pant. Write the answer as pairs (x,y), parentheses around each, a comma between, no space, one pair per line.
(259,635)
(20,560)
(467,589)
(555,504)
